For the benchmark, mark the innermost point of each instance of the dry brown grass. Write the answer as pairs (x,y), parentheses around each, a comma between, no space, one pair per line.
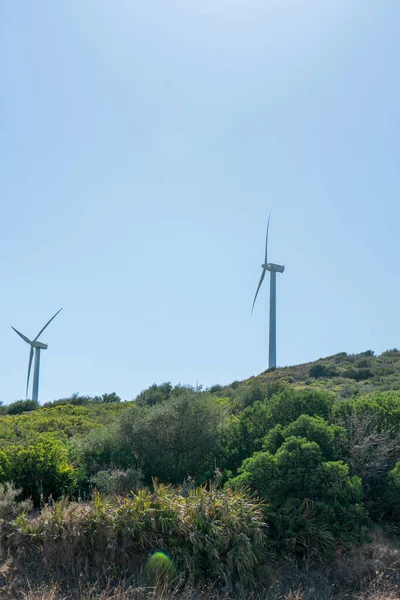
(54,593)
(368,572)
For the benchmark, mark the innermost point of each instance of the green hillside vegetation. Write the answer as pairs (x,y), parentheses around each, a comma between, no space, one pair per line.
(298,465)
(344,374)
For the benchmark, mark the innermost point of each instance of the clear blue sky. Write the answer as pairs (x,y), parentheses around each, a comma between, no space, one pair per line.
(142,146)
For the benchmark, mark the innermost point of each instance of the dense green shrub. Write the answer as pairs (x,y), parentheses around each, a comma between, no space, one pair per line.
(298,472)
(155,394)
(215,388)
(244,435)
(296,527)
(321,370)
(118,482)
(249,394)
(101,450)
(287,406)
(158,394)
(107,398)
(392,493)
(77,400)
(260,473)
(41,468)
(382,407)
(19,407)
(363,363)
(359,374)
(314,429)
(175,439)
(392,352)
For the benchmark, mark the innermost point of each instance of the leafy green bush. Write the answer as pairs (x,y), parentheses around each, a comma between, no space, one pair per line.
(101,450)
(249,394)
(155,394)
(314,429)
(77,400)
(321,370)
(383,407)
(174,439)
(392,352)
(118,482)
(298,472)
(287,406)
(244,435)
(21,406)
(41,468)
(363,363)
(215,388)
(392,493)
(107,398)
(296,527)
(359,374)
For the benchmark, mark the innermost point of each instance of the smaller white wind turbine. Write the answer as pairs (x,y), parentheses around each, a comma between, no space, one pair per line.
(36,347)
(273,269)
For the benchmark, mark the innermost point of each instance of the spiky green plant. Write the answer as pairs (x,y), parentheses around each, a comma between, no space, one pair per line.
(209,534)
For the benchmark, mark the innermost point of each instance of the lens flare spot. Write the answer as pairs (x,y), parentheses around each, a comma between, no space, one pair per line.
(159,567)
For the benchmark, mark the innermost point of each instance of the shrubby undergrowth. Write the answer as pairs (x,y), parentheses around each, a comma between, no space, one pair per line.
(310,455)
(209,534)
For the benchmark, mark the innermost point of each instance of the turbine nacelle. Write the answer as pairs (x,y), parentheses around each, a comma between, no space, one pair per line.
(39,345)
(273,267)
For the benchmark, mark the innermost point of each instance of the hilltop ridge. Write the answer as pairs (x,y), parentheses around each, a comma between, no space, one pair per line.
(344,374)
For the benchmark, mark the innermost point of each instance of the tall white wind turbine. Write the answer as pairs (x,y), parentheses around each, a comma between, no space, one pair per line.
(273,269)
(36,347)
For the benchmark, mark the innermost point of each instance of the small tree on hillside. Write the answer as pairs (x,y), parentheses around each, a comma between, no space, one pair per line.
(175,439)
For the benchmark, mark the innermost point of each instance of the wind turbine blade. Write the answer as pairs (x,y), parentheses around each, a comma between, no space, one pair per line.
(21,335)
(266,240)
(258,289)
(29,369)
(48,323)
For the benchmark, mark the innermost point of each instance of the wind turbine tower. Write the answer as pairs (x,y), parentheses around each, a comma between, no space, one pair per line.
(36,347)
(273,269)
